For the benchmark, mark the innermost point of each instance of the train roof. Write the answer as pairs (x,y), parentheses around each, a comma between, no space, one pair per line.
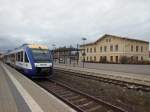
(37,46)
(33,46)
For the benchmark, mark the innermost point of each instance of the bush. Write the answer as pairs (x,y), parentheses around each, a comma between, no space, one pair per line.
(123,60)
(144,62)
(103,60)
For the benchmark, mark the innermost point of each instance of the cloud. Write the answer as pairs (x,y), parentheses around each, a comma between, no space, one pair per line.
(65,22)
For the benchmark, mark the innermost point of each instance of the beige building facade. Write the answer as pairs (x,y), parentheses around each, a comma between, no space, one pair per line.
(111,48)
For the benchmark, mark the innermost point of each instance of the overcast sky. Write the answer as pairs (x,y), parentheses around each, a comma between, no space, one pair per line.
(65,22)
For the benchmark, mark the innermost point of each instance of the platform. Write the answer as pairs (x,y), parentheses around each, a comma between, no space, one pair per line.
(20,94)
(123,76)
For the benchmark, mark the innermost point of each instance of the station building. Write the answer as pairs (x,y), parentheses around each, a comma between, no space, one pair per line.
(111,48)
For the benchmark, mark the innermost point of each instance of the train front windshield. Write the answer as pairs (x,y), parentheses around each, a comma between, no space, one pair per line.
(41,55)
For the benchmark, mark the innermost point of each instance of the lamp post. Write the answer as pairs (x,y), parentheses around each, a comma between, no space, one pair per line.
(83,54)
(77,54)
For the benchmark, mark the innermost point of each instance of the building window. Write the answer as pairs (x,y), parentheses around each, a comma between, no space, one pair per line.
(101,58)
(116,59)
(137,48)
(111,58)
(105,48)
(132,58)
(105,58)
(106,40)
(111,48)
(131,48)
(87,50)
(95,49)
(116,47)
(146,48)
(90,58)
(141,58)
(87,58)
(101,49)
(90,49)
(94,58)
(141,48)
(110,40)
(136,58)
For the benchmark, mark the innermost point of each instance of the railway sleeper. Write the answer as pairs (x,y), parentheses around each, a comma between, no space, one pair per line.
(61,92)
(74,97)
(79,103)
(67,95)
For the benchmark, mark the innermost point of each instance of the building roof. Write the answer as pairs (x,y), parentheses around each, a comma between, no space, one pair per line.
(106,35)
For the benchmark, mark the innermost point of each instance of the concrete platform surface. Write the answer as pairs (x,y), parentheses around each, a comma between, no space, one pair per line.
(126,68)
(20,94)
(128,77)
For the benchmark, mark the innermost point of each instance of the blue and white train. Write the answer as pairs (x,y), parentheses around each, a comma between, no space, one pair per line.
(32,59)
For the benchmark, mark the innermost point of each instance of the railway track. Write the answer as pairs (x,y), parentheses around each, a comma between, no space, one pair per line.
(129,85)
(78,100)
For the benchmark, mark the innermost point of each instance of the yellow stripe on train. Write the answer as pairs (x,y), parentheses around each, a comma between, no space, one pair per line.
(37,46)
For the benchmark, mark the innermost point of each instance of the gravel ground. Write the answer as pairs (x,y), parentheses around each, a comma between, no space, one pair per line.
(131,100)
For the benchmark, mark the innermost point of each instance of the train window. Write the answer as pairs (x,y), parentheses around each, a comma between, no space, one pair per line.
(21,56)
(26,58)
(18,56)
(13,57)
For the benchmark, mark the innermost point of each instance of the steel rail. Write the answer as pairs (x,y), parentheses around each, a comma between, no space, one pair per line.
(129,85)
(76,92)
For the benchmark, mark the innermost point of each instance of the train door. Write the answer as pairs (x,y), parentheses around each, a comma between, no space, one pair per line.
(13,59)
(26,61)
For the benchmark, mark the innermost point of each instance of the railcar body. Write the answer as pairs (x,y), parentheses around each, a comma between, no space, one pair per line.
(32,59)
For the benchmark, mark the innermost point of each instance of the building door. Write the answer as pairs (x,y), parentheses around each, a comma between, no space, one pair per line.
(136,58)
(95,58)
(111,58)
(105,58)
(141,58)
(101,58)
(116,59)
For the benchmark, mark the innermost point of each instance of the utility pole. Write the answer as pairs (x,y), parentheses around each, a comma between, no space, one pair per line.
(84,39)
(70,54)
(53,51)
(77,54)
